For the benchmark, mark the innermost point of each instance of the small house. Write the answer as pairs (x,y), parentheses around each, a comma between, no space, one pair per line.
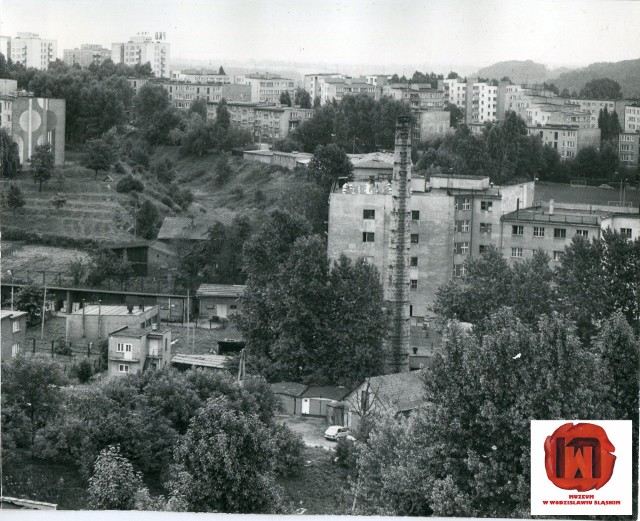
(218,301)
(394,394)
(14,326)
(290,394)
(133,350)
(316,399)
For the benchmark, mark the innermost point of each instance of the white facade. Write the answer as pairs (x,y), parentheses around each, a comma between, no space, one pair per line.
(455,92)
(32,51)
(632,119)
(141,49)
(267,87)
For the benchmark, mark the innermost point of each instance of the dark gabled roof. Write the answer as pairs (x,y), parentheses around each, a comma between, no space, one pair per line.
(399,391)
(288,388)
(220,290)
(330,392)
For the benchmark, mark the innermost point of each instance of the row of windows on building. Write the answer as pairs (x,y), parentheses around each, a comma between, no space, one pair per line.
(538,231)
(371,237)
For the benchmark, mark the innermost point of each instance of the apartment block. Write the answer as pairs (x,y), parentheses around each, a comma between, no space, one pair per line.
(134,350)
(631,118)
(548,114)
(265,121)
(143,48)
(211,77)
(313,82)
(417,95)
(455,92)
(86,55)
(453,218)
(481,103)
(32,121)
(431,124)
(337,88)
(5,46)
(551,228)
(267,87)
(629,149)
(32,51)
(567,140)
(183,94)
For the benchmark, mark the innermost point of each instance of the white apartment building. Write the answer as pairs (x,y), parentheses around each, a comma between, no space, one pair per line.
(144,48)
(200,76)
(267,87)
(455,92)
(86,55)
(32,51)
(5,46)
(482,102)
(632,118)
(313,82)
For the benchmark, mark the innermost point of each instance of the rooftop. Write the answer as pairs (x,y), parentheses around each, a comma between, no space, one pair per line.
(399,391)
(330,392)
(560,216)
(104,310)
(220,290)
(139,332)
(289,388)
(7,313)
(210,361)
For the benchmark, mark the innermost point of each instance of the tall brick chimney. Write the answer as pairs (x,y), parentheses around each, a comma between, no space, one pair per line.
(399,249)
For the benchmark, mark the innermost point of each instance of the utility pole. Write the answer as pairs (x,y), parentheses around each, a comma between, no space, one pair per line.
(44,304)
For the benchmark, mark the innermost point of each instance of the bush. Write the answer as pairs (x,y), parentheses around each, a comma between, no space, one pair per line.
(83,371)
(167,201)
(119,168)
(129,184)
(238,193)
(346,453)
(289,446)
(193,175)
(62,348)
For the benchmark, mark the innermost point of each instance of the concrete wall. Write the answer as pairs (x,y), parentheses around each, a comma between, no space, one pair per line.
(36,121)
(434,123)
(218,306)
(511,194)
(138,355)
(107,323)
(616,222)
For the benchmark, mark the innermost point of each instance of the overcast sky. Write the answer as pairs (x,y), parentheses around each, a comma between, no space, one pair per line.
(457,34)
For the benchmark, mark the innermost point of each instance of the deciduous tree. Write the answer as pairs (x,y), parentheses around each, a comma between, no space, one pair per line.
(42,164)
(9,155)
(114,483)
(99,155)
(15,198)
(327,165)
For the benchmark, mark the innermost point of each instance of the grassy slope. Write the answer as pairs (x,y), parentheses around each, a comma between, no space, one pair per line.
(94,210)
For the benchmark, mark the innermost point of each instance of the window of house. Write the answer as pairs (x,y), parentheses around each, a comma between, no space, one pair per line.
(368,214)
(414,284)
(462,203)
(557,255)
(462,226)
(415,215)
(559,233)
(516,253)
(166,344)
(415,238)
(582,233)
(15,349)
(459,270)
(368,237)
(625,232)
(414,261)
(482,248)
(517,230)
(461,247)
(486,206)
(123,368)
(538,231)
(233,306)
(16,326)
(485,227)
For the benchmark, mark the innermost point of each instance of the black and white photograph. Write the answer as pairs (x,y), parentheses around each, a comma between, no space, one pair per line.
(319,258)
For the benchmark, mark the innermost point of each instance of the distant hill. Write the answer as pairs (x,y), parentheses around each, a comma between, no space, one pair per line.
(626,73)
(518,71)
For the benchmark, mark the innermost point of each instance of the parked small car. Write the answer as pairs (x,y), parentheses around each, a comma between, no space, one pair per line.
(335,432)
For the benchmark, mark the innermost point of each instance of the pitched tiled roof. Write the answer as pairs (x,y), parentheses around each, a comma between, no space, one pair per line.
(220,290)
(288,388)
(331,392)
(397,392)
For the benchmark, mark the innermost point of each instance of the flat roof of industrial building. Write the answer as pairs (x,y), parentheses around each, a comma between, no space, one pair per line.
(111,310)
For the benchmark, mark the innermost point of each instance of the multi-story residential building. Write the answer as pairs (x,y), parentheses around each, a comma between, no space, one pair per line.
(200,76)
(632,118)
(32,51)
(182,94)
(143,48)
(133,350)
(629,149)
(5,46)
(13,326)
(453,218)
(312,82)
(337,88)
(455,91)
(418,95)
(266,122)
(378,81)
(551,114)
(32,121)
(431,124)
(87,54)
(566,139)
(267,87)
(551,228)
(481,103)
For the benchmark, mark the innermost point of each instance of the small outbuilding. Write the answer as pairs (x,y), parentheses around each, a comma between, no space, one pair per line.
(316,399)
(290,394)
(219,301)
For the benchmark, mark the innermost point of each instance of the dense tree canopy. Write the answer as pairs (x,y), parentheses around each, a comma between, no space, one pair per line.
(42,164)
(9,155)
(603,88)
(327,165)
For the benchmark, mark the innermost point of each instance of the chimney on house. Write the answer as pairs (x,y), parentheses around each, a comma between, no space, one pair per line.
(399,249)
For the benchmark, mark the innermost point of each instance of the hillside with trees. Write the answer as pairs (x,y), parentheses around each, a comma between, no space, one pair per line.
(626,73)
(517,71)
